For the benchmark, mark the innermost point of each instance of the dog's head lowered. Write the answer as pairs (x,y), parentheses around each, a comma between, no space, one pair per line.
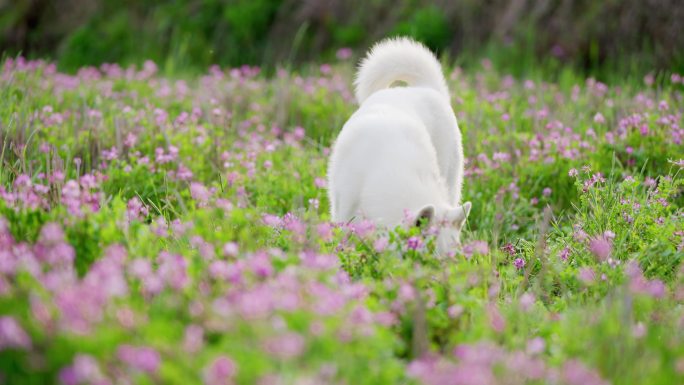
(449,222)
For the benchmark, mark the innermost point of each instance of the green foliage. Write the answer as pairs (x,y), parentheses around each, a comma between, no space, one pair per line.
(182,33)
(428,25)
(613,41)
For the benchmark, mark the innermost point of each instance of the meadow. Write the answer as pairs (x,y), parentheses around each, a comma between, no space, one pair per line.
(162,229)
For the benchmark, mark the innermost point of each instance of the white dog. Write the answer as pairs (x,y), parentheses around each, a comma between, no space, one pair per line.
(401,150)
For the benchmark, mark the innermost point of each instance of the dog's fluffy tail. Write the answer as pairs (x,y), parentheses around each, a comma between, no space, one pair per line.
(398,59)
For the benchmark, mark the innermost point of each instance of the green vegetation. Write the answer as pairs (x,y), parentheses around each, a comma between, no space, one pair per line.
(164,230)
(609,40)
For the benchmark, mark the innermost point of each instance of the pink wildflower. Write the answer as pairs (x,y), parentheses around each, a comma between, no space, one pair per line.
(575,372)
(526,301)
(509,248)
(220,372)
(199,193)
(519,263)
(496,320)
(344,53)
(564,254)
(286,346)
(414,243)
(535,346)
(380,244)
(586,275)
(600,247)
(599,119)
(231,249)
(324,231)
(144,359)
(12,335)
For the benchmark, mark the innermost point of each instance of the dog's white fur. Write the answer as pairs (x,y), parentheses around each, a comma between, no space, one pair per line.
(401,150)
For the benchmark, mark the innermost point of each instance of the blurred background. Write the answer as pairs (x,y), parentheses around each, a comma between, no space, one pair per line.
(605,39)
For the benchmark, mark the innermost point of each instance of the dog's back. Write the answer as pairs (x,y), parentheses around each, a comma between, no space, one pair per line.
(437,117)
(383,162)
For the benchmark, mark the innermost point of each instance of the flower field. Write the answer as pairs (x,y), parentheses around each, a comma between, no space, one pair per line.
(174,230)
